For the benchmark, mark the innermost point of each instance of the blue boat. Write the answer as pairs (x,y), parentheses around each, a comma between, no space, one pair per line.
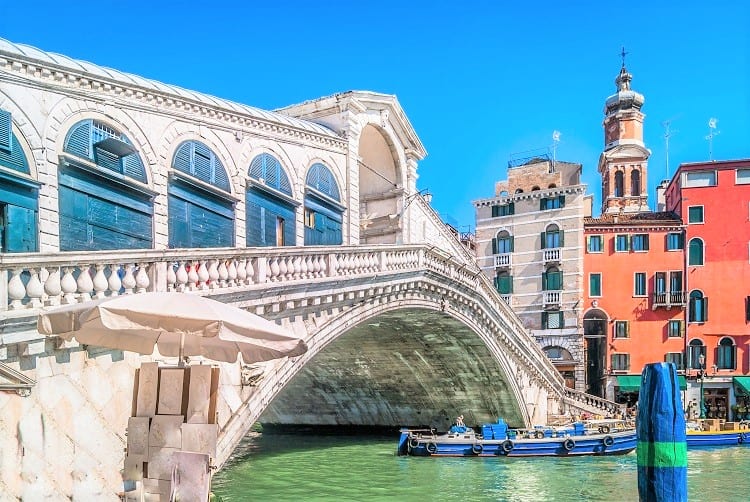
(698,438)
(609,437)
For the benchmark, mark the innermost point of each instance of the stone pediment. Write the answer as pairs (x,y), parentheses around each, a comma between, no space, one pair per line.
(13,380)
(627,151)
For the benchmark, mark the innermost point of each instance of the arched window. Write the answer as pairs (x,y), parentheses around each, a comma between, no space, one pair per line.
(552,279)
(557,353)
(270,209)
(698,307)
(503,243)
(323,209)
(696,349)
(619,184)
(552,237)
(19,195)
(200,216)
(635,182)
(552,185)
(519,190)
(103,202)
(695,252)
(535,188)
(504,283)
(726,354)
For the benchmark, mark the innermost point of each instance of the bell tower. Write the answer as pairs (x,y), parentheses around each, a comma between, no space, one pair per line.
(624,161)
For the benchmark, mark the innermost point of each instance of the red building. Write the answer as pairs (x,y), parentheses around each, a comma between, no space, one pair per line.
(713,200)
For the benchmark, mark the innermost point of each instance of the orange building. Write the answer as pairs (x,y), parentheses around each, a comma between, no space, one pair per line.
(713,199)
(634,290)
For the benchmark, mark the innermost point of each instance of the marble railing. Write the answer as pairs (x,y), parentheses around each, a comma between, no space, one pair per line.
(592,403)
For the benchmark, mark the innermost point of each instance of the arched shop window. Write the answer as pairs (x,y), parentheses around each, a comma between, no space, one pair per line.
(323,209)
(201,207)
(104,203)
(269,204)
(19,194)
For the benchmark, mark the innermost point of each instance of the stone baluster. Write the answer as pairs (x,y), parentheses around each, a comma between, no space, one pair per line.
(303,268)
(213,274)
(52,287)
(231,270)
(142,282)
(181,277)
(171,277)
(203,275)
(250,270)
(297,267)
(242,271)
(282,269)
(99,282)
(85,284)
(321,266)
(274,269)
(192,274)
(128,280)
(68,284)
(34,289)
(114,283)
(16,289)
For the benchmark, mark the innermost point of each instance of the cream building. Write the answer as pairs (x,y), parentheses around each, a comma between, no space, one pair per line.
(529,241)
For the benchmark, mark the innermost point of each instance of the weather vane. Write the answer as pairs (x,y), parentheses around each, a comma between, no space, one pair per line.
(623,54)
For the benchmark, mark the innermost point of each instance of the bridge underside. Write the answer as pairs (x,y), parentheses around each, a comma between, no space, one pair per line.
(411,367)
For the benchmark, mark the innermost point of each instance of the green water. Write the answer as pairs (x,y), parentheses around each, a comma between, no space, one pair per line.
(283,467)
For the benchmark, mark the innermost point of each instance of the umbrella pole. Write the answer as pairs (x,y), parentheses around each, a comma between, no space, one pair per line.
(181,356)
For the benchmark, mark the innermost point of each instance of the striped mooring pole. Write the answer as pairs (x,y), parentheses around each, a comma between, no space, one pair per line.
(662,450)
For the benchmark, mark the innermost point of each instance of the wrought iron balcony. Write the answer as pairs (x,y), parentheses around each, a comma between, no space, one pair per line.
(669,299)
(552,255)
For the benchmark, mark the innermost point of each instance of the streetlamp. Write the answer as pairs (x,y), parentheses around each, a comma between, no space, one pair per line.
(702,377)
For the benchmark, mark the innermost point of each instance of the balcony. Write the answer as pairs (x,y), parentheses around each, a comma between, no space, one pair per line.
(669,299)
(550,256)
(551,299)
(503,260)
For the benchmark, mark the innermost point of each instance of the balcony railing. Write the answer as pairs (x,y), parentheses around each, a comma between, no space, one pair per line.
(551,255)
(506,298)
(551,298)
(669,299)
(503,260)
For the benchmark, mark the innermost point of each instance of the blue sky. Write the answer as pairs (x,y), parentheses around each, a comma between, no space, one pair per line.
(479,81)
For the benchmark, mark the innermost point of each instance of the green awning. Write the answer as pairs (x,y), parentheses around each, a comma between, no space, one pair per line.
(632,383)
(742,384)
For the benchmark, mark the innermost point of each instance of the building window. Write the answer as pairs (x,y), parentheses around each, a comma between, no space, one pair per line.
(640,284)
(675,241)
(698,307)
(676,358)
(635,183)
(622,329)
(674,328)
(695,252)
(595,284)
(309,218)
(552,202)
(699,179)
(552,320)
(747,309)
(743,176)
(639,242)
(594,243)
(695,214)
(504,283)
(552,238)
(696,349)
(503,210)
(619,184)
(503,243)
(725,354)
(552,279)
(620,362)
(621,243)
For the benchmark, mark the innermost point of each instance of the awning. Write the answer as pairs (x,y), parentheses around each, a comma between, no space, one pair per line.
(632,383)
(742,384)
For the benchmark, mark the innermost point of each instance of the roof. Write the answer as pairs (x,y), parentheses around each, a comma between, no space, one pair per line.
(49,58)
(665,218)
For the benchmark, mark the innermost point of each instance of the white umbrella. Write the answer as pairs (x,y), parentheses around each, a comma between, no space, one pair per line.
(180,324)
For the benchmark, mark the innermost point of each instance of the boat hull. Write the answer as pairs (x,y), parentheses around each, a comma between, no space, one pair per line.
(705,439)
(472,445)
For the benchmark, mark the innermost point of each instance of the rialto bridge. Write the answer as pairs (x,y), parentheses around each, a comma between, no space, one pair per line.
(113,184)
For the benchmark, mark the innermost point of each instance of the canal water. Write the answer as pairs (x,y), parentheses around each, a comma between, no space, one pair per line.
(294,467)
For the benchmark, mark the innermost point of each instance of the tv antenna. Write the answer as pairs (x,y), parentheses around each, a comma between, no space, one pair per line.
(667,134)
(555,140)
(712,132)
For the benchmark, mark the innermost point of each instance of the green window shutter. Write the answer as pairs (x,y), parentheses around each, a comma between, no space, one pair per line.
(544,240)
(510,284)
(495,211)
(691,309)
(497,283)
(704,304)
(512,240)
(627,329)
(5,131)
(561,199)
(494,245)
(542,204)
(511,208)
(544,281)
(544,319)
(645,242)
(562,238)
(560,280)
